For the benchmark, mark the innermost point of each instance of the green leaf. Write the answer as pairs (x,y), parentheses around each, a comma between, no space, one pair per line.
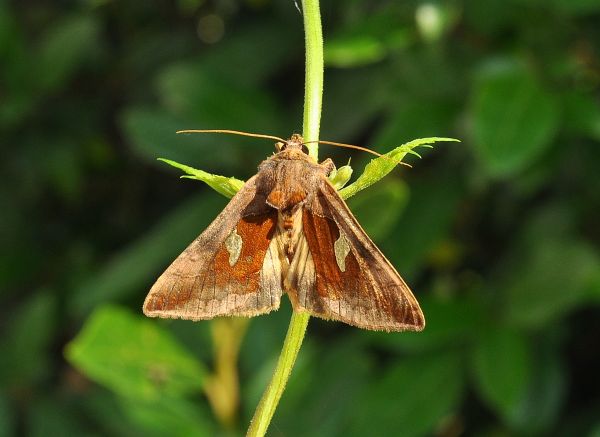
(502,366)
(381,166)
(514,120)
(340,177)
(379,222)
(134,269)
(413,397)
(221,184)
(134,356)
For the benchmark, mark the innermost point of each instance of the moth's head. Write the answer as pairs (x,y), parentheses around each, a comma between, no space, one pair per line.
(296,142)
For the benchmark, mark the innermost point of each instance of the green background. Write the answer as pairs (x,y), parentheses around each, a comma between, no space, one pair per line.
(497,235)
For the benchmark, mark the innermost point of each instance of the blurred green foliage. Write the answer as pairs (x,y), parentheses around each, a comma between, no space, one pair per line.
(498,235)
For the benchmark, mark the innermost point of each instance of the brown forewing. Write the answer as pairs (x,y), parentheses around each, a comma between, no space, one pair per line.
(201,283)
(369,293)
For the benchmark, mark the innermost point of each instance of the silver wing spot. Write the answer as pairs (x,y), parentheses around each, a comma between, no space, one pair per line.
(233,244)
(341,248)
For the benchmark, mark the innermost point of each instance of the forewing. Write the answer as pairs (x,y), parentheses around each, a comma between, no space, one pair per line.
(347,277)
(229,270)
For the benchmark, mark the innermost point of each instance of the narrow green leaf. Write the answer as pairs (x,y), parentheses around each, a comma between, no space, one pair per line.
(381,166)
(134,356)
(221,184)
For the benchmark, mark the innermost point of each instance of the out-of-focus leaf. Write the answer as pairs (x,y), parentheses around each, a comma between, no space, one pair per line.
(7,418)
(558,275)
(247,49)
(539,411)
(53,416)
(449,323)
(368,40)
(134,270)
(422,226)
(134,356)
(221,184)
(163,416)
(514,119)
(354,51)
(345,89)
(381,166)
(415,118)
(379,211)
(489,16)
(152,134)
(582,114)
(25,346)
(412,396)
(502,365)
(212,102)
(548,270)
(64,170)
(576,7)
(341,374)
(64,47)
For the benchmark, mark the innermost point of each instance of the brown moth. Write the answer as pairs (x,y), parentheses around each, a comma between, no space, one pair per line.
(286,231)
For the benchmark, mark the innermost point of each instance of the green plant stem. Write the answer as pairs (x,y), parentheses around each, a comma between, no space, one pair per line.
(313,85)
(313,96)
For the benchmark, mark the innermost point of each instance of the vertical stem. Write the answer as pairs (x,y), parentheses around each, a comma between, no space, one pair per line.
(313,86)
(313,95)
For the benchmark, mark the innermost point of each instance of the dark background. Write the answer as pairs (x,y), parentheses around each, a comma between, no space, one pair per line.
(497,235)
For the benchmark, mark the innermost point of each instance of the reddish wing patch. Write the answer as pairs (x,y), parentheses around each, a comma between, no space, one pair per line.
(321,234)
(256,233)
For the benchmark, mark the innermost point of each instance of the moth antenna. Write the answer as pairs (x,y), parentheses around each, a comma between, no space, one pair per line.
(352,146)
(231,132)
(349,146)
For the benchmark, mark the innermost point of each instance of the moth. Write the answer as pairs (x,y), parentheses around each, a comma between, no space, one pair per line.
(286,230)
